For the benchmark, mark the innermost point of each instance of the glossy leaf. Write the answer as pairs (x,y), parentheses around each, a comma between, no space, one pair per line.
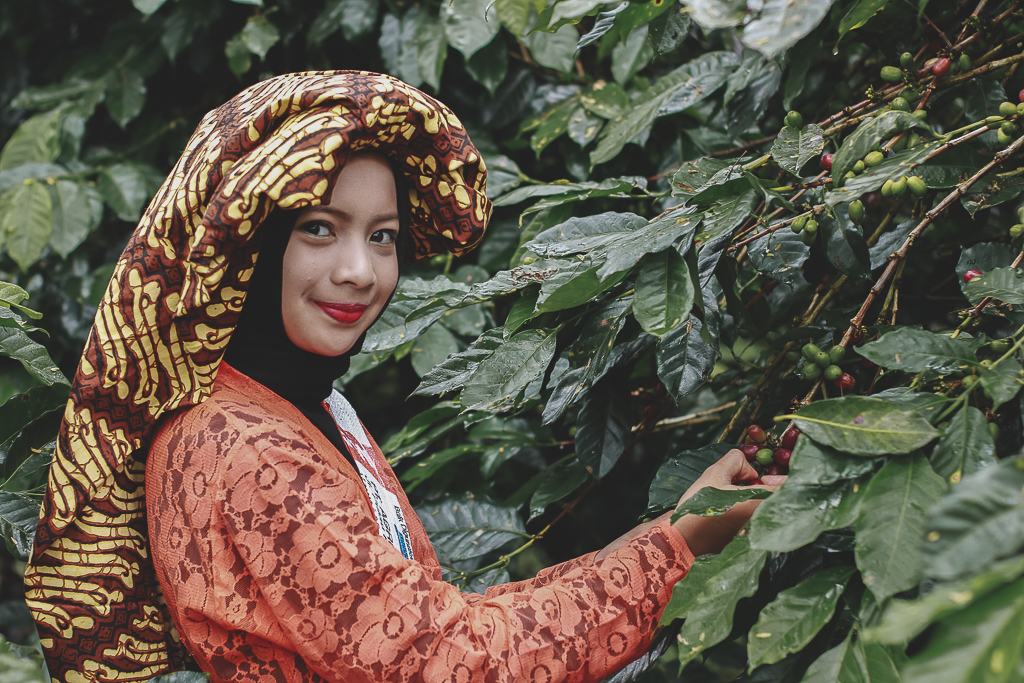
(874,177)
(16,344)
(467,25)
(604,23)
(461,528)
(355,18)
(819,465)
(707,596)
(965,448)
(19,516)
(795,616)
(675,226)
(77,211)
(663,292)
(573,284)
(711,14)
(21,409)
(984,256)
(794,147)
(779,255)
(26,222)
(555,483)
(602,427)
(632,55)
(782,23)
(713,502)
(983,642)
(501,376)
(431,348)
(728,213)
(685,359)
(125,96)
(903,620)
(868,135)
(580,235)
(890,526)
(126,189)
(679,472)
(554,50)
(912,350)
(858,15)
(1002,382)
(37,140)
(864,426)
(844,244)
(979,522)
(453,372)
(853,662)
(1003,284)
(514,14)
(391,329)
(798,513)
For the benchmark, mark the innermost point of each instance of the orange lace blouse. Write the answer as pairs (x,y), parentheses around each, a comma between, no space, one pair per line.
(273,568)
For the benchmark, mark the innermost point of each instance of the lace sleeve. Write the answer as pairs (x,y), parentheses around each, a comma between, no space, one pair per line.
(355,610)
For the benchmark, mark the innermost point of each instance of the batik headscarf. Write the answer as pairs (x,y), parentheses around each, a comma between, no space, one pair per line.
(168,313)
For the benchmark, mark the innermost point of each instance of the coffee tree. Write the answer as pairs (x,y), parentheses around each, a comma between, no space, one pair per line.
(790,227)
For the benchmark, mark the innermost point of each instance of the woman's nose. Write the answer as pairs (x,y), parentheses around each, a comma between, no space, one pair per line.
(353,265)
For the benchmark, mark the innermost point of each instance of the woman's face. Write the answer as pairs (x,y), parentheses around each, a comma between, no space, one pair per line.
(341,265)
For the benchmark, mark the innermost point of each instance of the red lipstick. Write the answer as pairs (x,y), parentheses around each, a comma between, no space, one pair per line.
(343,313)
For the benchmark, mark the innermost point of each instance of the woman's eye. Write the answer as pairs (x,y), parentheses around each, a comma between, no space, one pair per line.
(384,236)
(316,229)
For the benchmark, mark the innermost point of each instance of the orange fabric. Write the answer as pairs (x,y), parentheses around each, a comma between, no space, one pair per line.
(271,562)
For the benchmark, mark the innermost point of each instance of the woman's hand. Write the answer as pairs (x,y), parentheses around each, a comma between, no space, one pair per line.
(710,534)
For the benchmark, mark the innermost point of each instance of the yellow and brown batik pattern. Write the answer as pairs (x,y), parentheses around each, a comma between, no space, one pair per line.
(166,318)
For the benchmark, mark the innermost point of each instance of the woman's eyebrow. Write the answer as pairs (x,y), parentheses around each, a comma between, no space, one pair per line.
(341,213)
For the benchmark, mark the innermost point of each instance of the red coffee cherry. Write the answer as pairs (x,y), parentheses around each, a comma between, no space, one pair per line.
(790,437)
(756,434)
(941,66)
(749,451)
(826,159)
(971,274)
(846,382)
(775,469)
(782,457)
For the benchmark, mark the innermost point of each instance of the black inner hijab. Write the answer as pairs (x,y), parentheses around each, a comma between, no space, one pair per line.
(260,347)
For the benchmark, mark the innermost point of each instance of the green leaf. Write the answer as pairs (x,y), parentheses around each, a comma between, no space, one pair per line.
(431,50)
(779,255)
(795,147)
(574,283)
(712,14)
(868,135)
(712,502)
(632,55)
(1002,382)
(679,472)
(501,376)
(677,225)
(983,256)
(979,522)
(753,98)
(563,12)
(561,192)
(18,345)
(782,23)
(77,210)
(583,127)
(820,465)
(554,123)
(147,7)
(865,426)
(21,409)
(1004,284)
(461,528)
(355,18)
(606,100)
(858,15)
(181,677)
(431,348)
(685,360)
(467,25)
(26,221)
(488,68)
(436,461)
(901,164)
(19,516)
(602,428)
(125,96)
(239,56)
(708,594)
(664,292)
(890,526)
(554,483)
(126,189)
(682,88)
(423,429)
(556,51)
(259,35)
(845,663)
(798,513)
(844,244)
(604,23)
(912,350)
(903,620)
(965,448)
(729,212)
(789,622)
(391,329)
(515,14)
(37,140)
(984,642)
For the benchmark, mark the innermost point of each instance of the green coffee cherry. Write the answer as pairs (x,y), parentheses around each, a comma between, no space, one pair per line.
(874,158)
(837,353)
(849,175)
(765,456)
(856,210)
(832,373)
(811,227)
(993,429)
(822,360)
(968,381)
(1000,345)
(794,120)
(917,185)
(907,60)
(900,104)
(891,74)
(808,237)
(899,186)
(810,351)
(792,356)
(901,144)
(920,114)
(1007,109)
(1020,108)
(798,223)
(1003,138)
(964,62)
(1020,215)
(859,167)
(993,121)
(914,139)
(811,371)
(887,188)
(1016,230)
(1009,127)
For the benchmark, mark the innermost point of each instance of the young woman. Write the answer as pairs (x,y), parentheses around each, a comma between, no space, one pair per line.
(278,544)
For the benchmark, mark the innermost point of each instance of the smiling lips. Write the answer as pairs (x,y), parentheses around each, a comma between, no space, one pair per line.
(343,313)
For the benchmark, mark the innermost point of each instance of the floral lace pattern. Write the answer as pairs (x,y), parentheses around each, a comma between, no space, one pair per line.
(273,568)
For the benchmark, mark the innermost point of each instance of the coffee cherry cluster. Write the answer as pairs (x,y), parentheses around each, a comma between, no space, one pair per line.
(766,457)
(806,227)
(821,364)
(1017,229)
(897,187)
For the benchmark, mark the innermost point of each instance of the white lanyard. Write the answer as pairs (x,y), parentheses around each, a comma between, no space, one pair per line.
(386,508)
